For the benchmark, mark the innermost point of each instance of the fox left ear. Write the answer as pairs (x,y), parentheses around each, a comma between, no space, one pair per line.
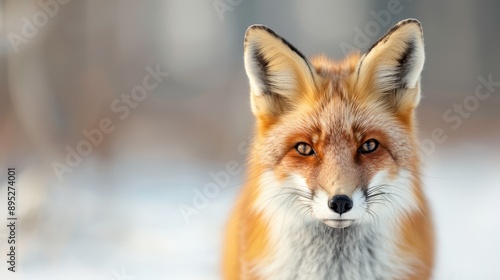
(393,65)
(280,76)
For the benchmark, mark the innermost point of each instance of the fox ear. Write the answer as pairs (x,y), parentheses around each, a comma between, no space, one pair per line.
(393,65)
(279,74)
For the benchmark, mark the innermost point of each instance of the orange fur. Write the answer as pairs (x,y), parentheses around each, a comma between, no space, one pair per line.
(335,107)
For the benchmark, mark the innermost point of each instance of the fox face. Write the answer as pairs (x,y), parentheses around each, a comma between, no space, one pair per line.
(334,189)
(335,141)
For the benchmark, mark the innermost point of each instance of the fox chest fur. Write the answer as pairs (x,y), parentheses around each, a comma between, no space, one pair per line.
(317,251)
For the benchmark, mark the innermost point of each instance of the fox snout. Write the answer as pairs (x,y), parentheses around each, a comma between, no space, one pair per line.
(340,204)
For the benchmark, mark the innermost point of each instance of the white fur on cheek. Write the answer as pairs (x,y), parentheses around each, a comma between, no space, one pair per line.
(280,200)
(395,198)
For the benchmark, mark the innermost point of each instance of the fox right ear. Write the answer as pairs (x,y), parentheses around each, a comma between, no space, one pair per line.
(392,67)
(280,76)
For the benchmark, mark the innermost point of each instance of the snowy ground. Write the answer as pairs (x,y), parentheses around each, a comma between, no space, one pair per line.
(125,223)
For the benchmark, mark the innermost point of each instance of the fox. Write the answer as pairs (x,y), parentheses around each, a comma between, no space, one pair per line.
(334,187)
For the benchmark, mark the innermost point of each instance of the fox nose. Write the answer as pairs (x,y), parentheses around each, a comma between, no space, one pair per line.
(340,204)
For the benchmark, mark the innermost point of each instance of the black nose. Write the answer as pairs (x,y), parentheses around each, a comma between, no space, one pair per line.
(340,204)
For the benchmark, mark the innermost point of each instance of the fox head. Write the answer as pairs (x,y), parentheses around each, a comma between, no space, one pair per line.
(336,141)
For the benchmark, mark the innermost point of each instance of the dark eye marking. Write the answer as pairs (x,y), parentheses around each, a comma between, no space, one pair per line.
(304,149)
(369,146)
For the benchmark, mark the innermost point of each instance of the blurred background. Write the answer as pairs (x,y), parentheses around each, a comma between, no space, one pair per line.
(122,117)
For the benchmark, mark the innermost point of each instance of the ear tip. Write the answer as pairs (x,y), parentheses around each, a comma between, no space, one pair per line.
(256,28)
(411,22)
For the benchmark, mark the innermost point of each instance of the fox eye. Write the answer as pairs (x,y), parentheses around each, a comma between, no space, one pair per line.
(369,146)
(304,149)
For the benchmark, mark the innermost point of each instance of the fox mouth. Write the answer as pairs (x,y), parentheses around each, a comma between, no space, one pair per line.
(338,223)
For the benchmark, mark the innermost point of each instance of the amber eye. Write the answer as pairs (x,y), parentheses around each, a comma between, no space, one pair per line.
(369,146)
(304,149)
